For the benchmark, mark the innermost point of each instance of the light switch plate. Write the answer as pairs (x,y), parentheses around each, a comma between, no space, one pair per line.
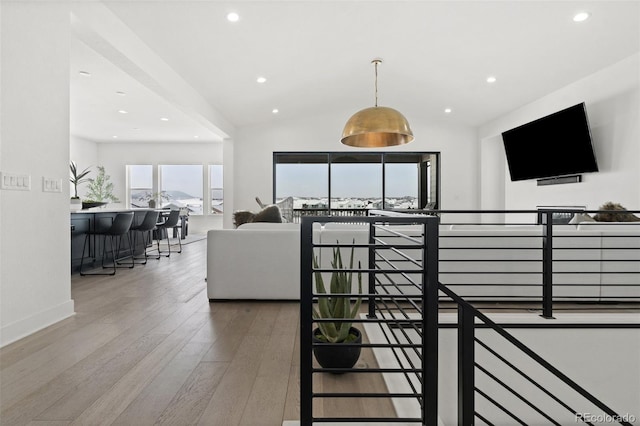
(51,184)
(15,182)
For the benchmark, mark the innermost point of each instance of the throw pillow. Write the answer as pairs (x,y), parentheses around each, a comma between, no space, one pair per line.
(581,218)
(615,217)
(269,214)
(242,216)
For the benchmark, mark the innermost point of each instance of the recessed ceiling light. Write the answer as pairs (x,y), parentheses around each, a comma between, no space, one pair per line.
(85,73)
(164,119)
(121,111)
(447,110)
(115,136)
(275,110)
(120,93)
(491,79)
(581,16)
(233,17)
(135,128)
(196,136)
(261,79)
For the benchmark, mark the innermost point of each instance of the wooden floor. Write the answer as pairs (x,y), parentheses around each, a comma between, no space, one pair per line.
(146,347)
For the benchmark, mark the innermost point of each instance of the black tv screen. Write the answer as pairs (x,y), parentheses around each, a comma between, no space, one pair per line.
(556,145)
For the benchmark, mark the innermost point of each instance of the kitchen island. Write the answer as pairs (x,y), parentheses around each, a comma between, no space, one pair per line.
(96,219)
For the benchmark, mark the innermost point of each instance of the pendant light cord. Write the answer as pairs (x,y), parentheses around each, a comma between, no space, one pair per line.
(376,83)
(375,64)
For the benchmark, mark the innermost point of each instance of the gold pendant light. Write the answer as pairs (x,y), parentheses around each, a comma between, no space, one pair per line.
(376,127)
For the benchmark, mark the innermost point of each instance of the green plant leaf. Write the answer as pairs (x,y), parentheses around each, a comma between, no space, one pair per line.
(336,305)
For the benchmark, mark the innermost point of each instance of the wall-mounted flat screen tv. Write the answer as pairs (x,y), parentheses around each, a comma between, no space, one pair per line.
(556,145)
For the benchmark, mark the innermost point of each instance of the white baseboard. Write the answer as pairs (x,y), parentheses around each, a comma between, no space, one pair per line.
(22,328)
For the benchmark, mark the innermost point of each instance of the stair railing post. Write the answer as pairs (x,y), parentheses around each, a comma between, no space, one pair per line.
(372,276)
(306,320)
(430,319)
(466,368)
(547,264)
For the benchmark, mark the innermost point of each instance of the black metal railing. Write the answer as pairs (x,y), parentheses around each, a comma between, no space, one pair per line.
(469,321)
(298,214)
(540,259)
(415,289)
(403,294)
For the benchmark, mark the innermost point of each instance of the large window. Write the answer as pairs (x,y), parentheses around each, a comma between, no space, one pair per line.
(356,181)
(176,186)
(217,192)
(182,186)
(140,179)
(403,183)
(305,177)
(352,182)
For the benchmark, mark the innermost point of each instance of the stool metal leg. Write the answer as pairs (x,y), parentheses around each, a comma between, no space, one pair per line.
(116,255)
(104,249)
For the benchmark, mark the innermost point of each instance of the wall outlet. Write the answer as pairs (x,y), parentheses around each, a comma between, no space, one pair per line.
(15,182)
(51,184)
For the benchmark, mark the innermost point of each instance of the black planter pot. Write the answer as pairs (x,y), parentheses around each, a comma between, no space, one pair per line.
(89,205)
(337,355)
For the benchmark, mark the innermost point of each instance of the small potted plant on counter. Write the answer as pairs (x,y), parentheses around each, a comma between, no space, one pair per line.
(335,306)
(77,178)
(100,191)
(156,198)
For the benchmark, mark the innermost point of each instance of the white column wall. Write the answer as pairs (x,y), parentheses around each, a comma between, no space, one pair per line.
(254,147)
(34,94)
(612,99)
(228,182)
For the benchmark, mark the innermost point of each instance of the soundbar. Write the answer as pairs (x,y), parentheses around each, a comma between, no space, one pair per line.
(559,180)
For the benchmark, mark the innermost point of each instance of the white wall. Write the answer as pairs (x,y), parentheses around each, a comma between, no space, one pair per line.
(254,147)
(34,93)
(612,99)
(229,183)
(84,153)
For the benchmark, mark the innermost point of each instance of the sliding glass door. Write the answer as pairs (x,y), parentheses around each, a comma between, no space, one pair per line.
(350,183)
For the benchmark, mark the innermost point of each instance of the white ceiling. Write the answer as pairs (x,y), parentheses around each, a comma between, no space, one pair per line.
(316,58)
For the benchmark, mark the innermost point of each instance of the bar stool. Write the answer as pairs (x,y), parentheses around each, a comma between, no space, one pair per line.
(148,225)
(119,227)
(162,228)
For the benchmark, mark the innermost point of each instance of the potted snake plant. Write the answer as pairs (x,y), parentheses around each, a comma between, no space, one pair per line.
(331,305)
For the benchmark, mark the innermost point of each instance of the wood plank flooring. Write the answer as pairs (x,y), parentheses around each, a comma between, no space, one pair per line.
(146,347)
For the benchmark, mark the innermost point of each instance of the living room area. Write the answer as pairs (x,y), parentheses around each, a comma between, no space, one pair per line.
(157,87)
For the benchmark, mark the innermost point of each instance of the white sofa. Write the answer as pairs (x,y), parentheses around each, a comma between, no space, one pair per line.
(255,261)
(262,260)
(481,262)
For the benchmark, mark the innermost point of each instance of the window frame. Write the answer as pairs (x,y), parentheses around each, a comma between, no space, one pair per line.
(157,179)
(330,155)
